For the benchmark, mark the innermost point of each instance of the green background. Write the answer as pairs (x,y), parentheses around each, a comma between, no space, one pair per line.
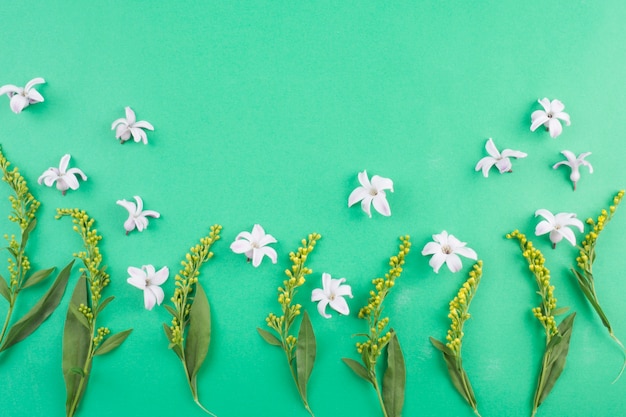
(264,112)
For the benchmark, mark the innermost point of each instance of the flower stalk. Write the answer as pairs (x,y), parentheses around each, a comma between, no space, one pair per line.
(83,337)
(189,334)
(299,351)
(459,307)
(391,392)
(557,337)
(584,273)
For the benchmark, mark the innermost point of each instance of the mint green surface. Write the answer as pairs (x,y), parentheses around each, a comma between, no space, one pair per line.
(264,112)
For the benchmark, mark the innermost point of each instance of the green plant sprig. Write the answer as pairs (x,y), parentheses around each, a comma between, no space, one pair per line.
(557,337)
(24,208)
(451,350)
(586,258)
(300,351)
(391,396)
(189,334)
(83,338)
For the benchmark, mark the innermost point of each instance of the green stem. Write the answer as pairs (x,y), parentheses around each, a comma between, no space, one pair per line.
(378,393)
(83,379)
(8,319)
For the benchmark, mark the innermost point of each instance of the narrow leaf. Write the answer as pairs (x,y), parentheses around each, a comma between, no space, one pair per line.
(76,341)
(40,311)
(394,379)
(175,348)
(358,369)
(198,336)
(559,351)
(456,372)
(26,233)
(79,316)
(4,289)
(170,309)
(268,337)
(104,304)
(560,311)
(78,371)
(37,277)
(112,342)
(305,354)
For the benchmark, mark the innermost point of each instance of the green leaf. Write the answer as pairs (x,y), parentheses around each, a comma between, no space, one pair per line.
(112,342)
(26,233)
(76,342)
(394,379)
(305,354)
(78,371)
(560,311)
(4,289)
(37,277)
(358,369)
(104,304)
(198,336)
(268,337)
(457,373)
(40,311)
(171,310)
(556,356)
(175,348)
(79,316)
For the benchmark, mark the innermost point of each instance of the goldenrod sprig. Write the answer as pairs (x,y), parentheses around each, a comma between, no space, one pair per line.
(378,337)
(300,350)
(83,338)
(24,207)
(189,333)
(459,307)
(585,260)
(557,337)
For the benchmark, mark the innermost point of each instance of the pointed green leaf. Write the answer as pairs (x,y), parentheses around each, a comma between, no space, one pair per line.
(40,311)
(394,379)
(37,277)
(171,310)
(560,311)
(175,348)
(78,371)
(104,303)
(558,354)
(305,354)
(4,289)
(268,337)
(455,370)
(358,369)
(76,341)
(26,233)
(198,335)
(79,316)
(112,342)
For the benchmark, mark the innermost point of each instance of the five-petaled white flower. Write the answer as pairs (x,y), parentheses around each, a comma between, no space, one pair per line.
(332,294)
(137,216)
(446,248)
(65,178)
(574,163)
(372,193)
(502,160)
(254,245)
(148,280)
(23,97)
(549,117)
(125,127)
(558,225)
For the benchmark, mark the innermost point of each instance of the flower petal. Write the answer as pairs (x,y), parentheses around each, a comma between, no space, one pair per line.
(18,103)
(381,204)
(34,97)
(454,262)
(34,82)
(161,276)
(317,294)
(437,260)
(543,227)
(538,118)
(491,149)
(357,195)
(130,115)
(364,180)
(321,308)
(340,305)
(504,165)
(128,205)
(366,203)
(70,180)
(149,298)
(240,246)
(158,293)
(129,224)
(144,125)
(546,214)
(485,164)
(431,248)
(9,88)
(76,171)
(467,252)
(381,183)
(555,128)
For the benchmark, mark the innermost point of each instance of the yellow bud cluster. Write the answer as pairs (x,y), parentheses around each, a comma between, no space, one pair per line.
(86,311)
(24,205)
(101,334)
(536,262)
(459,307)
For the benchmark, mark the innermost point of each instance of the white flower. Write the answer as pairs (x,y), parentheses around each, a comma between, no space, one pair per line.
(574,163)
(65,178)
(558,226)
(124,128)
(254,245)
(372,193)
(549,117)
(446,248)
(500,160)
(23,97)
(148,280)
(332,294)
(137,216)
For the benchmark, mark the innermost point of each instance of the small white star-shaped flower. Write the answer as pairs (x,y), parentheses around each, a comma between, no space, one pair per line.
(446,249)
(23,97)
(372,193)
(254,245)
(558,226)
(549,117)
(65,178)
(502,160)
(137,216)
(574,163)
(149,280)
(332,294)
(129,126)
